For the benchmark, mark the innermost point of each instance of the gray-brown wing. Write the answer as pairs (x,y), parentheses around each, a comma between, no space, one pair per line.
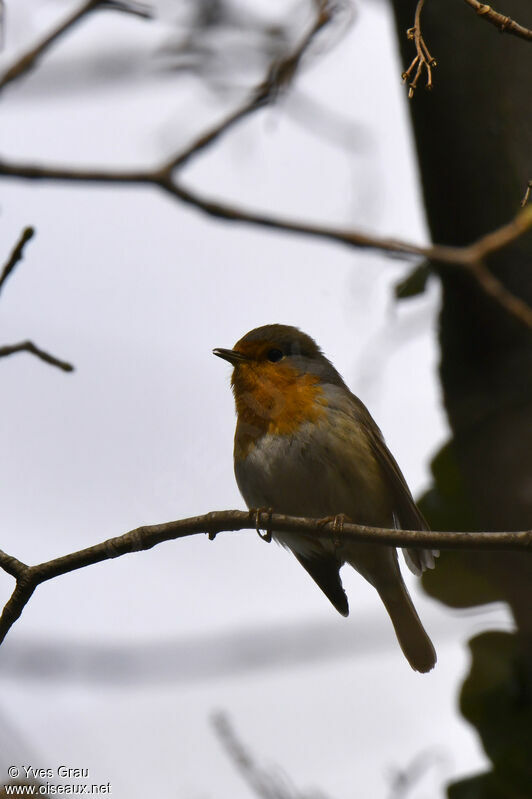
(406,513)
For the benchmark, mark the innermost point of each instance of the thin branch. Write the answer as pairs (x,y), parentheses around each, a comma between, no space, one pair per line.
(29,346)
(489,244)
(26,346)
(515,306)
(2,24)
(438,253)
(16,255)
(255,101)
(354,238)
(500,238)
(163,176)
(468,257)
(146,537)
(28,60)
(262,783)
(423,61)
(280,74)
(503,23)
(82,175)
(141,10)
(404,779)
(526,195)
(267,784)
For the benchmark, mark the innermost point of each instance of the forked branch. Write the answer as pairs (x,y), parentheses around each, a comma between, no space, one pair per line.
(422,61)
(26,346)
(166,177)
(29,346)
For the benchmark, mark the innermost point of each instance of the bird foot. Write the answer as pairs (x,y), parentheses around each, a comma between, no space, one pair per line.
(267,535)
(338,525)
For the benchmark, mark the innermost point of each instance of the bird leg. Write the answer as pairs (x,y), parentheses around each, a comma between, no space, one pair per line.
(267,533)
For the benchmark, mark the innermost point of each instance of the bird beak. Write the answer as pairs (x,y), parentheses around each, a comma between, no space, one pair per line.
(233,356)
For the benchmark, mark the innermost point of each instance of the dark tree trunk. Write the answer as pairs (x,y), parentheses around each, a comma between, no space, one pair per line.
(474,142)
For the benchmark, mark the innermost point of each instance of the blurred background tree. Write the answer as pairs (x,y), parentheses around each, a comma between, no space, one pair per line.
(474,142)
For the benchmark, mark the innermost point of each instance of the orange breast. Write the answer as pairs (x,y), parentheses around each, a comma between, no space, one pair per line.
(275,400)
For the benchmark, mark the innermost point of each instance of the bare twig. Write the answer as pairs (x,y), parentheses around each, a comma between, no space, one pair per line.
(254,101)
(142,10)
(404,779)
(488,244)
(515,306)
(74,174)
(423,59)
(280,74)
(438,253)
(29,346)
(146,537)
(164,176)
(526,195)
(26,346)
(267,784)
(29,59)
(500,238)
(467,257)
(2,24)
(503,23)
(16,255)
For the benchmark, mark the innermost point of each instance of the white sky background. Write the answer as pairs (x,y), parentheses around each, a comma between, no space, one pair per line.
(118,667)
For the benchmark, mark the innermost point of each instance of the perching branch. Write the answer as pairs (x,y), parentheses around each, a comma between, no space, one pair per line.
(423,61)
(503,23)
(142,538)
(29,59)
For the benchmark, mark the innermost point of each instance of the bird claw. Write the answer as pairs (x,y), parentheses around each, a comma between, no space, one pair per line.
(267,536)
(338,526)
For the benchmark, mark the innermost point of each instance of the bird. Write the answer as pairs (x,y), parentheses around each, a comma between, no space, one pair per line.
(306,446)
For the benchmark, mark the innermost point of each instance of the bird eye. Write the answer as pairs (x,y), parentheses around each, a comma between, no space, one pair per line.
(275,355)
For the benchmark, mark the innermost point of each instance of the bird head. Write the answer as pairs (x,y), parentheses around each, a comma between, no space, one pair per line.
(278,376)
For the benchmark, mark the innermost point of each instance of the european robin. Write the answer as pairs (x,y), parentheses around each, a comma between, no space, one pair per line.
(306,446)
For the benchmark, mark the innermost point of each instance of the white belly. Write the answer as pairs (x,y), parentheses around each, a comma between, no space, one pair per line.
(316,473)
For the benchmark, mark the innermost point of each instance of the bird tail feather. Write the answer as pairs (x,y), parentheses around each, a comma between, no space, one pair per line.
(413,640)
